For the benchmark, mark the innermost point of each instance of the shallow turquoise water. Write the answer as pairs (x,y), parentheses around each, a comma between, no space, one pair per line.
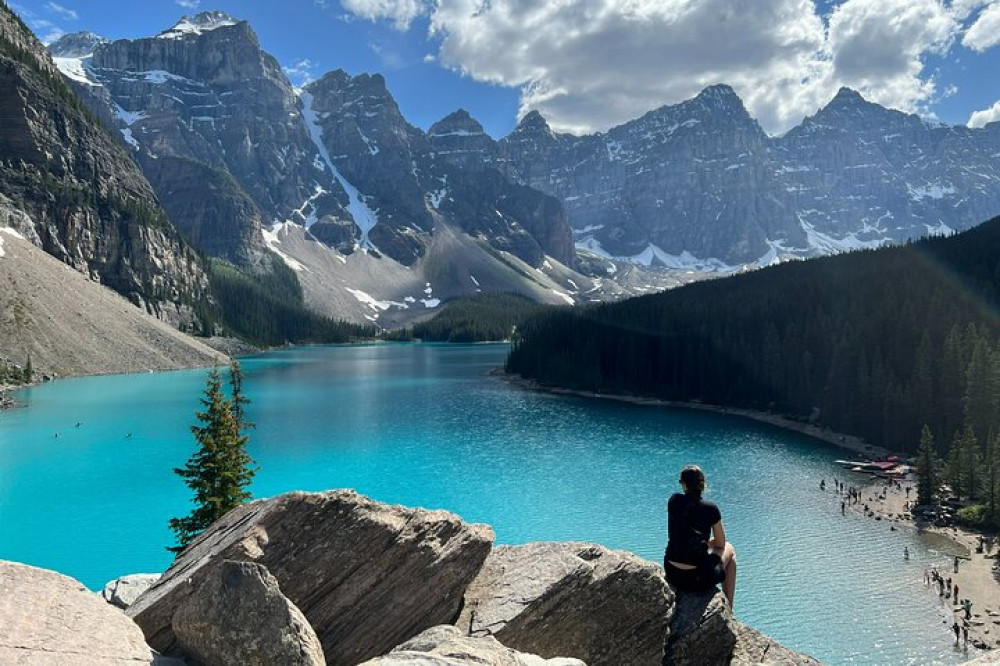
(426,425)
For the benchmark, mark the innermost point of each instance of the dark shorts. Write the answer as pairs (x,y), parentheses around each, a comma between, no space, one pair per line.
(706,576)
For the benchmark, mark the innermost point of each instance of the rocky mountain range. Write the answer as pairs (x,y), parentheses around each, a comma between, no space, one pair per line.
(376,208)
(701,184)
(68,187)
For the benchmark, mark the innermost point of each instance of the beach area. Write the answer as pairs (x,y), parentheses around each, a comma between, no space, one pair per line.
(878,500)
(976,575)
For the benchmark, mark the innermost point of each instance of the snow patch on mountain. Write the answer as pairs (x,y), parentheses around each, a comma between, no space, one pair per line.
(10,231)
(271,238)
(827,244)
(77,69)
(364,217)
(198,24)
(930,191)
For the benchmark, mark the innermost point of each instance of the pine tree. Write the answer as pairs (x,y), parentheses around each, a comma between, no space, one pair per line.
(29,372)
(927,485)
(992,477)
(220,470)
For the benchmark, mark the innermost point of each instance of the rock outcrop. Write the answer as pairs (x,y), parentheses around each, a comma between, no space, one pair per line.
(753,647)
(47,619)
(446,645)
(122,592)
(239,617)
(703,631)
(367,576)
(572,600)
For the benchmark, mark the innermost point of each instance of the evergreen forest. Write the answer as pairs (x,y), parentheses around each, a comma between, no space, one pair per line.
(873,343)
(267,309)
(488,317)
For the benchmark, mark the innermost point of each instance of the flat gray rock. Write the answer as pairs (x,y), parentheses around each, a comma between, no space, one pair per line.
(572,600)
(446,645)
(703,632)
(122,592)
(47,619)
(366,575)
(239,617)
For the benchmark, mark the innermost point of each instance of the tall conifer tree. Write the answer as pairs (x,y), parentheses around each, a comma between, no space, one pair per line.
(220,470)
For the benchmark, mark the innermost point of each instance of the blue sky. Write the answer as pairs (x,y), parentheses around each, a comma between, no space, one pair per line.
(590,64)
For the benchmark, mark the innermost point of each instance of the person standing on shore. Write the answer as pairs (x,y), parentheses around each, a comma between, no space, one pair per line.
(906,554)
(843,508)
(955,628)
(956,564)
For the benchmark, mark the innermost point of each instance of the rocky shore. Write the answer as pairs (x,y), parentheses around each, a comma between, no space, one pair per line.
(305,579)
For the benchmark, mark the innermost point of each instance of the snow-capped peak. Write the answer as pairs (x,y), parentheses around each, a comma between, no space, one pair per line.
(76,45)
(198,24)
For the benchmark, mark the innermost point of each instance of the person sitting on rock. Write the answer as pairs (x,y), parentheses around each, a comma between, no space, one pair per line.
(698,557)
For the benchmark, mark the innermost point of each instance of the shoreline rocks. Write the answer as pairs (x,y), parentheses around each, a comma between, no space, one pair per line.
(47,619)
(577,600)
(239,617)
(447,645)
(122,592)
(367,576)
(307,579)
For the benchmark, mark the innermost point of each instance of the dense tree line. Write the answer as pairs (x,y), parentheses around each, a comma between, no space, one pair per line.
(267,309)
(873,343)
(489,317)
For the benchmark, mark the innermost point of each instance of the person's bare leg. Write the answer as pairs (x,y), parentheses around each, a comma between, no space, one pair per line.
(728,557)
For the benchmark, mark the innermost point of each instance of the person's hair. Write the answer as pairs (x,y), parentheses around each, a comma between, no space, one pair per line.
(693,479)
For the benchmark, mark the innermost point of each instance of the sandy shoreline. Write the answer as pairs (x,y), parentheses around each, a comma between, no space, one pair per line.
(976,578)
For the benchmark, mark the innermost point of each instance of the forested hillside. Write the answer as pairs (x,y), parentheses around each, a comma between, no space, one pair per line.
(871,343)
(488,317)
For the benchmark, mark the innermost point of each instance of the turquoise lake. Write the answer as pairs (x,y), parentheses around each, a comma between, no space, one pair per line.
(427,425)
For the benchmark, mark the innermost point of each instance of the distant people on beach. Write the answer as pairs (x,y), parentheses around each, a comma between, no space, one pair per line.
(906,552)
(698,556)
(822,484)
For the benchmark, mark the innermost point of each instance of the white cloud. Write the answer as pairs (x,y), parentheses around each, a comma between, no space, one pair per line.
(990,115)
(400,12)
(300,72)
(63,12)
(590,64)
(963,9)
(877,47)
(188,4)
(985,31)
(47,31)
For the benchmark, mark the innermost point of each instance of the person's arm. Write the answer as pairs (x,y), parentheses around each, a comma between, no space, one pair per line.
(718,539)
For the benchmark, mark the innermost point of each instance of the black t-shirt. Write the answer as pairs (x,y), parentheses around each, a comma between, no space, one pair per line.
(689,527)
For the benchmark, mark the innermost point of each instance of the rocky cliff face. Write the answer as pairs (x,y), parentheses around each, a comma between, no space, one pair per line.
(205,92)
(409,178)
(701,180)
(337,157)
(87,202)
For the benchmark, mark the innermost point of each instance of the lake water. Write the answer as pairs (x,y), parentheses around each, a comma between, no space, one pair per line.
(426,425)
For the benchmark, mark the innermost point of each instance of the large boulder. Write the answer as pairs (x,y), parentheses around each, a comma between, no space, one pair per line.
(122,592)
(572,600)
(239,617)
(703,632)
(367,576)
(753,647)
(446,645)
(47,619)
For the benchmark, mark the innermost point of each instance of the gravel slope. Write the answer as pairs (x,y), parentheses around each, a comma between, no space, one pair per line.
(72,326)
